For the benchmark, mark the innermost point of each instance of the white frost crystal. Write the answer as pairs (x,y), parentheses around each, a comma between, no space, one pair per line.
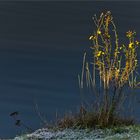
(131,133)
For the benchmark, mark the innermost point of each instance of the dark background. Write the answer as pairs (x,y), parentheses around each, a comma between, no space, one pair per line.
(41,50)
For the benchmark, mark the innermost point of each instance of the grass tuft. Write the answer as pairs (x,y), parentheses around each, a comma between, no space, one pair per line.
(91,120)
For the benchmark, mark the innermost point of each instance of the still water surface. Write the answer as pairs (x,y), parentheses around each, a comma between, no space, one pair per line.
(41,49)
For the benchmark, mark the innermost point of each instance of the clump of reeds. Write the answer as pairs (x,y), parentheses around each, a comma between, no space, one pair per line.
(90,119)
(114,64)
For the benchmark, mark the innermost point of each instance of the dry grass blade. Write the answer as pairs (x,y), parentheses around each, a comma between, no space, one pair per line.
(114,64)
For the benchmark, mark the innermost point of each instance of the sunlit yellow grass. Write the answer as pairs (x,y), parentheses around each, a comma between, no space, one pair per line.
(114,63)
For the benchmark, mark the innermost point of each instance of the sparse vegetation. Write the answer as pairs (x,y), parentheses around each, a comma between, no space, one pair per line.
(111,68)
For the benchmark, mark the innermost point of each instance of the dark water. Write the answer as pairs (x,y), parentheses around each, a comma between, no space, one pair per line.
(41,49)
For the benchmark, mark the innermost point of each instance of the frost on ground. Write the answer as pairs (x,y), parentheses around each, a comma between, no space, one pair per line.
(121,133)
